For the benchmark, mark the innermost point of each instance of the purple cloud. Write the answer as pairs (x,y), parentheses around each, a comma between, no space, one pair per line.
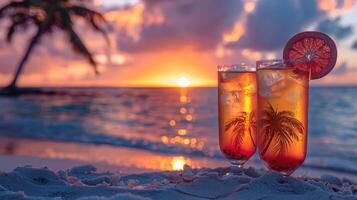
(196,24)
(334,28)
(354,45)
(274,22)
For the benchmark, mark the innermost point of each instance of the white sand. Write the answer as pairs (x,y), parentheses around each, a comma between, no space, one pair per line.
(85,182)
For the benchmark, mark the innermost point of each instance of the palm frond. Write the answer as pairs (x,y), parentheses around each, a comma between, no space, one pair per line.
(18,20)
(280,147)
(47,15)
(296,124)
(4,10)
(236,121)
(79,47)
(238,134)
(282,142)
(237,127)
(10,31)
(285,113)
(92,17)
(290,131)
(241,124)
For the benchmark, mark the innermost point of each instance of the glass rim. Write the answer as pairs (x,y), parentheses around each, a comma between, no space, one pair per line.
(242,67)
(281,64)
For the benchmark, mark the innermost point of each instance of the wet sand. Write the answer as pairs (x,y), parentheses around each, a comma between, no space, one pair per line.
(47,153)
(16,152)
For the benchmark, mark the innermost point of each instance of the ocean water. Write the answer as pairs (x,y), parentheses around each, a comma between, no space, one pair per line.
(172,121)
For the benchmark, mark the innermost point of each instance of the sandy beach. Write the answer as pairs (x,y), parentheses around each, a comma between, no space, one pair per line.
(164,100)
(45,170)
(85,182)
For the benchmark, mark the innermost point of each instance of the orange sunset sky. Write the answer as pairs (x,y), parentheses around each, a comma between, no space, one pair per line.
(159,42)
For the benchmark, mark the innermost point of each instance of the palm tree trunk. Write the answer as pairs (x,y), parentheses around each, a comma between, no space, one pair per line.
(32,44)
(267,146)
(251,137)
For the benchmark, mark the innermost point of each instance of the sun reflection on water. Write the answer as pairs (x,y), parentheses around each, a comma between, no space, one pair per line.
(183,110)
(148,121)
(189,117)
(172,122)
(103,154)
(183,124)
(182,132)
(183,99)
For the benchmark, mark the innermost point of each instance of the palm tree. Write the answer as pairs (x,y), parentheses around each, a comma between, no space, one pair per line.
(46,15)
(240,124)
(281,125)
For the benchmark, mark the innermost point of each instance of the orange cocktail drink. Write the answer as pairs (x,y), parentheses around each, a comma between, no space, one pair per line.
(283,91)
(237,105)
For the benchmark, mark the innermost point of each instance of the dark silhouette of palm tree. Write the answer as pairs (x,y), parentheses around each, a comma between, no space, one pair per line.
(252,126)
(239,125)
(281,125)
(46,15)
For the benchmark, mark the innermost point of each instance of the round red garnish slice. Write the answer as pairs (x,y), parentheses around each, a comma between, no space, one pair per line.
(314,50)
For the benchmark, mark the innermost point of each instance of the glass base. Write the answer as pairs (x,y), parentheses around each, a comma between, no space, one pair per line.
(236,167)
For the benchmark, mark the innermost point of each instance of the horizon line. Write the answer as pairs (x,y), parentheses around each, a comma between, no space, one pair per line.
(153,86)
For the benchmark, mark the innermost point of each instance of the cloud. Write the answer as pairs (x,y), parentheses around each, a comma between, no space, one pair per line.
(354,45)
(335,7)
(155,41)
(187,23)
(341,69)
(274,22)
(334,28)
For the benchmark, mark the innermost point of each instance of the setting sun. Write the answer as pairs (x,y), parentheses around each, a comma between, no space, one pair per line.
(183,82)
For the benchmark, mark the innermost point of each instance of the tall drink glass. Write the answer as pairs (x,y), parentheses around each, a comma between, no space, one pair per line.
(282,114)
(237,104)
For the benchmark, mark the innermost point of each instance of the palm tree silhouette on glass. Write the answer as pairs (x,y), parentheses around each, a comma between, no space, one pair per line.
(237,127)
(281,125)
(46,15)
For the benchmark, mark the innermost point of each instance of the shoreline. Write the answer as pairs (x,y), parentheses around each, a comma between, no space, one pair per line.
(104,155)
(58,155)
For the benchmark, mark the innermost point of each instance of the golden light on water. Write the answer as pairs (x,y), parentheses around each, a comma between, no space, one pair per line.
(189,117)
(165,139)
(186,141)
(172,122)
(183,99)
(183,110)
(104,155)
(182,132)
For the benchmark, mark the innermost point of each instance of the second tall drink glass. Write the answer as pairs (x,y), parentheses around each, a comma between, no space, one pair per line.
(283,89)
